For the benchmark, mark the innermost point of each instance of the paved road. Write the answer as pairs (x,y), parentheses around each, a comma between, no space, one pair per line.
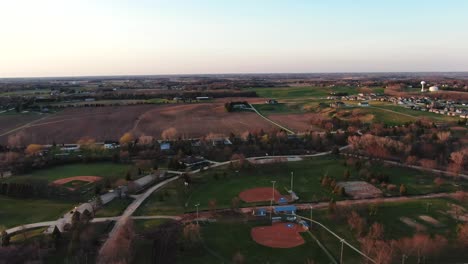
(134,206)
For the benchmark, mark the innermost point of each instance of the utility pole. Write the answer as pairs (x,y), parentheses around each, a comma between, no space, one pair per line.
(272,198)
(198,204)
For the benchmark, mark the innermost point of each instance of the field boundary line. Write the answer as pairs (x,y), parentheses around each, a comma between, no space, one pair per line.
(271,121)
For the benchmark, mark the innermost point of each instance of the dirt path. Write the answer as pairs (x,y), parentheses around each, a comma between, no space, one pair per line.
(271,121)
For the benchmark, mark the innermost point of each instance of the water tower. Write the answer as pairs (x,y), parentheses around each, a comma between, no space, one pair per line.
(422,86)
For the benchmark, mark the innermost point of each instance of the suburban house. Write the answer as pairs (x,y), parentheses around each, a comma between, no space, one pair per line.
(364,103)
(109,144)
(337,104)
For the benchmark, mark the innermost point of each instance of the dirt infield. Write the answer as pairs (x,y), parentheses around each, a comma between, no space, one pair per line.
(76,178)
(279,235)
(261,194)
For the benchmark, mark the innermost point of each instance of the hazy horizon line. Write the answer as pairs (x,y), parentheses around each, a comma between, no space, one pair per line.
(229,73)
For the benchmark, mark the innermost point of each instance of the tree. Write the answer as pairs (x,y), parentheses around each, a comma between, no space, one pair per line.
(56,235)
(191,234)
(403,189)
(33,149)
(169,134)
(238,258)
(75,221)
(212,204)
(462,235)
(438,181)
(5,239)
(128,176)
(235,203)
(126,138)
(356,223)
(347,174)
(118,248)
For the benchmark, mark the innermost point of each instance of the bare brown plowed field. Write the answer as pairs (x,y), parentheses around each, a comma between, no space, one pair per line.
(8,122)
(196,120)
(295,122)
(110,123)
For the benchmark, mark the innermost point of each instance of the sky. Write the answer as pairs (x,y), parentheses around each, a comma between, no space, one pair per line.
(140,37)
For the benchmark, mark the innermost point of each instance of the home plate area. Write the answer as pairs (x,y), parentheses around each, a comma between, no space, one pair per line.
(278,235)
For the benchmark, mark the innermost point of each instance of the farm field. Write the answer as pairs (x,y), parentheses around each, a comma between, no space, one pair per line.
(104,169)
(305,91)
(14,212)
(223,184)
(12,120)
(109,123)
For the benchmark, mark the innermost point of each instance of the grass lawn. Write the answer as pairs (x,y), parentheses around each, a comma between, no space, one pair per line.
(14,212)
(147,224)
(223,184)
(388,214)
(115,208)
(236,238)
(167,201)
(103,169)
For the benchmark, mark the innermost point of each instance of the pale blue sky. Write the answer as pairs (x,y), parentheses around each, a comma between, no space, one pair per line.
(104,37)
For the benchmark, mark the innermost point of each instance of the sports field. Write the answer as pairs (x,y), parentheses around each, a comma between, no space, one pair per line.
(103,169)
(14,212)
(223,184)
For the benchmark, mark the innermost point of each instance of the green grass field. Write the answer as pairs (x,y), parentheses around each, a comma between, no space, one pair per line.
(304,92)
(14,212)
(223,184)
(236,238)
(115,208)
(103,169)
(388,214)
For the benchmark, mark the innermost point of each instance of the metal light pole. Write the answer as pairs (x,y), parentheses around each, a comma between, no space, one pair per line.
(403,258)
(198,204)
(310,216)
(341,256)
(292,179)
(271,201)
(427,206)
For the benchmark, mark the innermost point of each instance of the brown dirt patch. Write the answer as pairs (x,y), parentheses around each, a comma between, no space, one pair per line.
(430,220)
(278,235)
(410,222)
(262,194)
(76,178)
